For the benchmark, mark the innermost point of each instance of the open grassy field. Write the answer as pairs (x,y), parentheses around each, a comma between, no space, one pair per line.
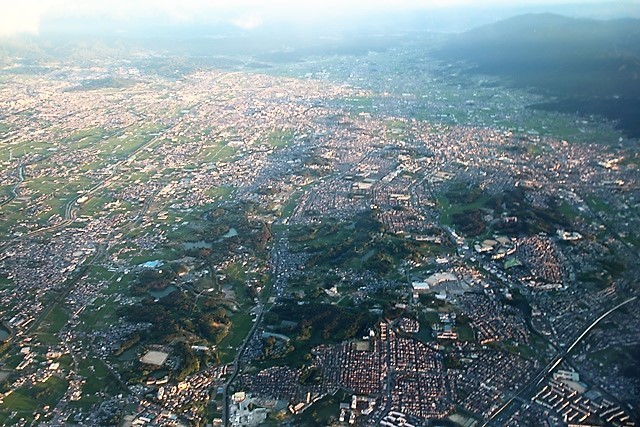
(51,325)
(280,138)
(29,400)
(83,138)
(219,152)
(240,327)
(325,411)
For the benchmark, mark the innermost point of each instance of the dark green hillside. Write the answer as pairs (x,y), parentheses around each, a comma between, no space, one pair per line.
(588,66)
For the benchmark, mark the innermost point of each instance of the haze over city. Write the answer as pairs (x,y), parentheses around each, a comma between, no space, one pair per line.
(122,16)
(264,213)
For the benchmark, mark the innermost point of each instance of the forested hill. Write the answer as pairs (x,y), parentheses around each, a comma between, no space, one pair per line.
(586,65)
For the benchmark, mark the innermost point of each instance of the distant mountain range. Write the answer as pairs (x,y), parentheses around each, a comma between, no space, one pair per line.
(588,66)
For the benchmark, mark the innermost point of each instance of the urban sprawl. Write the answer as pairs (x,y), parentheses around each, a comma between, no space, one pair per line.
(236,248)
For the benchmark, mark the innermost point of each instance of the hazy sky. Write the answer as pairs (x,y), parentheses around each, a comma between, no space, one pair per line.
(28,16)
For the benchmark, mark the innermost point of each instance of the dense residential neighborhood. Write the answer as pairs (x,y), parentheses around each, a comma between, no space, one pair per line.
(243,248)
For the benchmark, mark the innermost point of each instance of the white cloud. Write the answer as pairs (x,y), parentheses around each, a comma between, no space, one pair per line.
(21,17)
(247,22)
(27,15)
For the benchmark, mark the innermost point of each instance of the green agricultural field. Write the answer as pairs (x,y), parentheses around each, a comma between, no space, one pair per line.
(241,294)
(241,324)
(361,103)
(5,282)
(237,277)
(66,362)
(219,152)
(449,209)
(83,138)
(98,273)
(114,287)
(27,400)
(124,145)
(102,313)
(568,212)
(60,190)
(523,350)
(31,147)
(51,325)
(46,185)
(598,205)
(632,239)
(5,191)
(13,215)
(221,193)
(98,377)
(290,205)
(93,166)
(280,138)
(164,254)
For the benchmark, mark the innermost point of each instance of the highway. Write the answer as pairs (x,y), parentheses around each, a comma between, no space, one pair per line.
(535,382)
(236,361)
(236,365)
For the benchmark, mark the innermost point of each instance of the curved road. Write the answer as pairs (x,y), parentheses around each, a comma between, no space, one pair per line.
(538,379)
(14,189)
(236,360)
